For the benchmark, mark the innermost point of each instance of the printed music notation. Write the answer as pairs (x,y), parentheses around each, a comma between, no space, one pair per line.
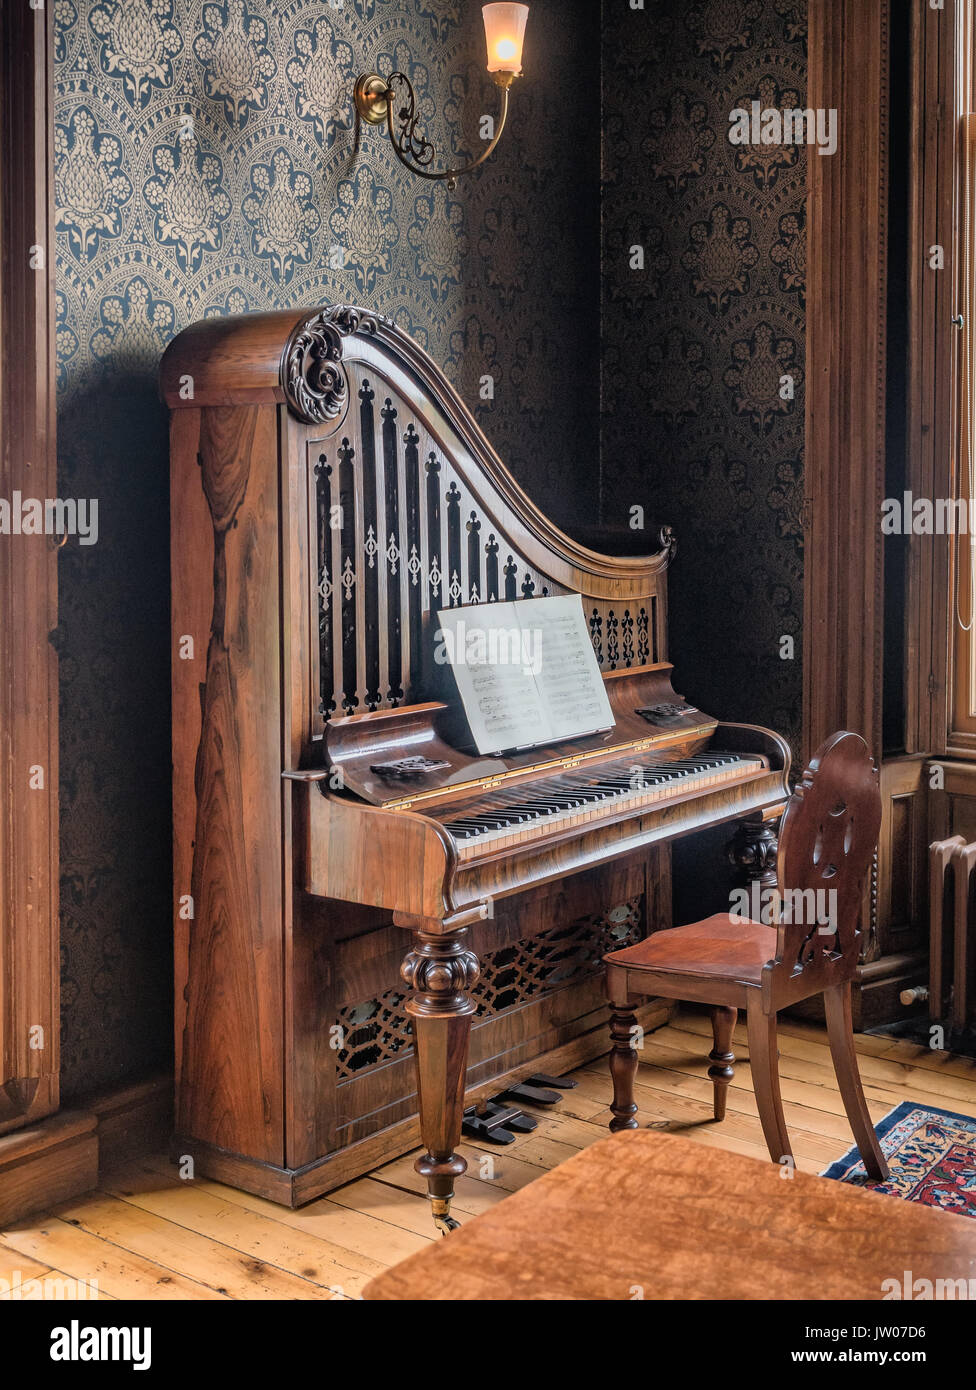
(525,671)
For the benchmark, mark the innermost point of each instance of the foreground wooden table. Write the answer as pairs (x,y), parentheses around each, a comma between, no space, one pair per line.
(644,1214)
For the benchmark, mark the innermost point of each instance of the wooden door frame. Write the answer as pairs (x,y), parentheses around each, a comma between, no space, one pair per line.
(29,935)
(47,1155)
(847,214)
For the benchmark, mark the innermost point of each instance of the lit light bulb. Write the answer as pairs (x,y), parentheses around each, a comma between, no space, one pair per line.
(504,32)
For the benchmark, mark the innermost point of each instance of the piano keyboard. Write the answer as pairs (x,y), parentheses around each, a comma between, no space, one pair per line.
(534,809)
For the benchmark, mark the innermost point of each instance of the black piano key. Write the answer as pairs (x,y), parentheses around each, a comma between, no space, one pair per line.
(545,805)
(488,822)
(587,791)
(491,820)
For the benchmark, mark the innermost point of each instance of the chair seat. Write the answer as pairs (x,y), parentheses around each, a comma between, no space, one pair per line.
(720,947)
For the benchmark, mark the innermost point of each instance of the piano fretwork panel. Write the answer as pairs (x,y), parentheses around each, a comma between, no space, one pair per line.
(399,534)
(375,1032)
(627,634)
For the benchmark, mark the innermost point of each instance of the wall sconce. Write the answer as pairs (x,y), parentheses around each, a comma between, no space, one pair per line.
(376,97)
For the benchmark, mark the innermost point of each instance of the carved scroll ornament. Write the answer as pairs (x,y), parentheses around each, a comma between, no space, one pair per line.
(314,381)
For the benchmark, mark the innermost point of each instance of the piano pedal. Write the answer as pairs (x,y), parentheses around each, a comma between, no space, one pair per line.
(495,1124)
(534,1090)
(562,1083)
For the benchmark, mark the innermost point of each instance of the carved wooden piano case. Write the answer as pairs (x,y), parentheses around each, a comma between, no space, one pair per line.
(330,492)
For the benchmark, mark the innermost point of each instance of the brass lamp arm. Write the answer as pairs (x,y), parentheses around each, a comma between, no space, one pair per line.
(375,100)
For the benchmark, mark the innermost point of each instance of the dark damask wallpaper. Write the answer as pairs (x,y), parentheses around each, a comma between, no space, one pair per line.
(206,164)
(694,345)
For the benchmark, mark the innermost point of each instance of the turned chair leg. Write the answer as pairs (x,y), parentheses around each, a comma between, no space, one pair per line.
(840,1035)
(764,1062)
(721,1056)
(623,1067)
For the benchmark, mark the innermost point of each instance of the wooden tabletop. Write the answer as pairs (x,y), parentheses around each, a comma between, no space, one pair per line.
(644,1214)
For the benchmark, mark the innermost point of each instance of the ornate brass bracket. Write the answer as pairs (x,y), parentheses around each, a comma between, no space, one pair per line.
(376,101)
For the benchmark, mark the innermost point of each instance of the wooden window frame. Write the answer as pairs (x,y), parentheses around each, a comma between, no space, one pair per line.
(943,91)
(960,684)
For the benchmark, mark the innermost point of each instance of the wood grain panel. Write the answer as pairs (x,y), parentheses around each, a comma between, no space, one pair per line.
(191,554)
(231,1056)
(902,856)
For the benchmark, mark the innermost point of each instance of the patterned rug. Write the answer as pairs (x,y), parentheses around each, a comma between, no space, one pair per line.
(931,1154)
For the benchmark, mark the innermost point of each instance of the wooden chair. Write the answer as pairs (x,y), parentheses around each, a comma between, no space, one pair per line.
(826,842)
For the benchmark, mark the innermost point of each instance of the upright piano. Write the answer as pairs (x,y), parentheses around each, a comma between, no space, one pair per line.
(331,494)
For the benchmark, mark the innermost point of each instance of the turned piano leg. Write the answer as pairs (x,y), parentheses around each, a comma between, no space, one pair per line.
(439,971)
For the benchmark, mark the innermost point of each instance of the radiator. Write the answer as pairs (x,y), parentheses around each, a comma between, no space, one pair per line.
(952,941)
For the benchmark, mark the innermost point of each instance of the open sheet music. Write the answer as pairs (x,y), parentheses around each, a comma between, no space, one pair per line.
(526,671)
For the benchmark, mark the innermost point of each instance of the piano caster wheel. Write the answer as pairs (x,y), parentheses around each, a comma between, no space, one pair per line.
(443,1220)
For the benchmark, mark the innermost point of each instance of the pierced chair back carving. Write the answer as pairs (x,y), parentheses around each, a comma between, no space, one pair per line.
(827,841)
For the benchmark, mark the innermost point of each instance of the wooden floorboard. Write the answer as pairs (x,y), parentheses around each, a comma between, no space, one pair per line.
(148,1234)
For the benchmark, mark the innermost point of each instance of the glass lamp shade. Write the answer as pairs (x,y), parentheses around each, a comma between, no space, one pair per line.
(504,32)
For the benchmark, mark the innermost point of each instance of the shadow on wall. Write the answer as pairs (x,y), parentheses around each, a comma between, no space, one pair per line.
(115,765)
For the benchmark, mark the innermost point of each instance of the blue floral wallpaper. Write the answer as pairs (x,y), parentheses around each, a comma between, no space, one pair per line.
(696,342)
(207,163)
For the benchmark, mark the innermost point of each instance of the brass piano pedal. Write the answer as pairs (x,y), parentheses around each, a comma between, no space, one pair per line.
(495,1124)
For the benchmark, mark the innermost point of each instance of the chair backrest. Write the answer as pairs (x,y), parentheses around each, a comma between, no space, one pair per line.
(827,839)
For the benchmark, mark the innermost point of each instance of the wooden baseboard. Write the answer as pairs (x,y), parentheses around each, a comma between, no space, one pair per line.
(293,1187)
(47,1162)
(62,1156)
(133,1121)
